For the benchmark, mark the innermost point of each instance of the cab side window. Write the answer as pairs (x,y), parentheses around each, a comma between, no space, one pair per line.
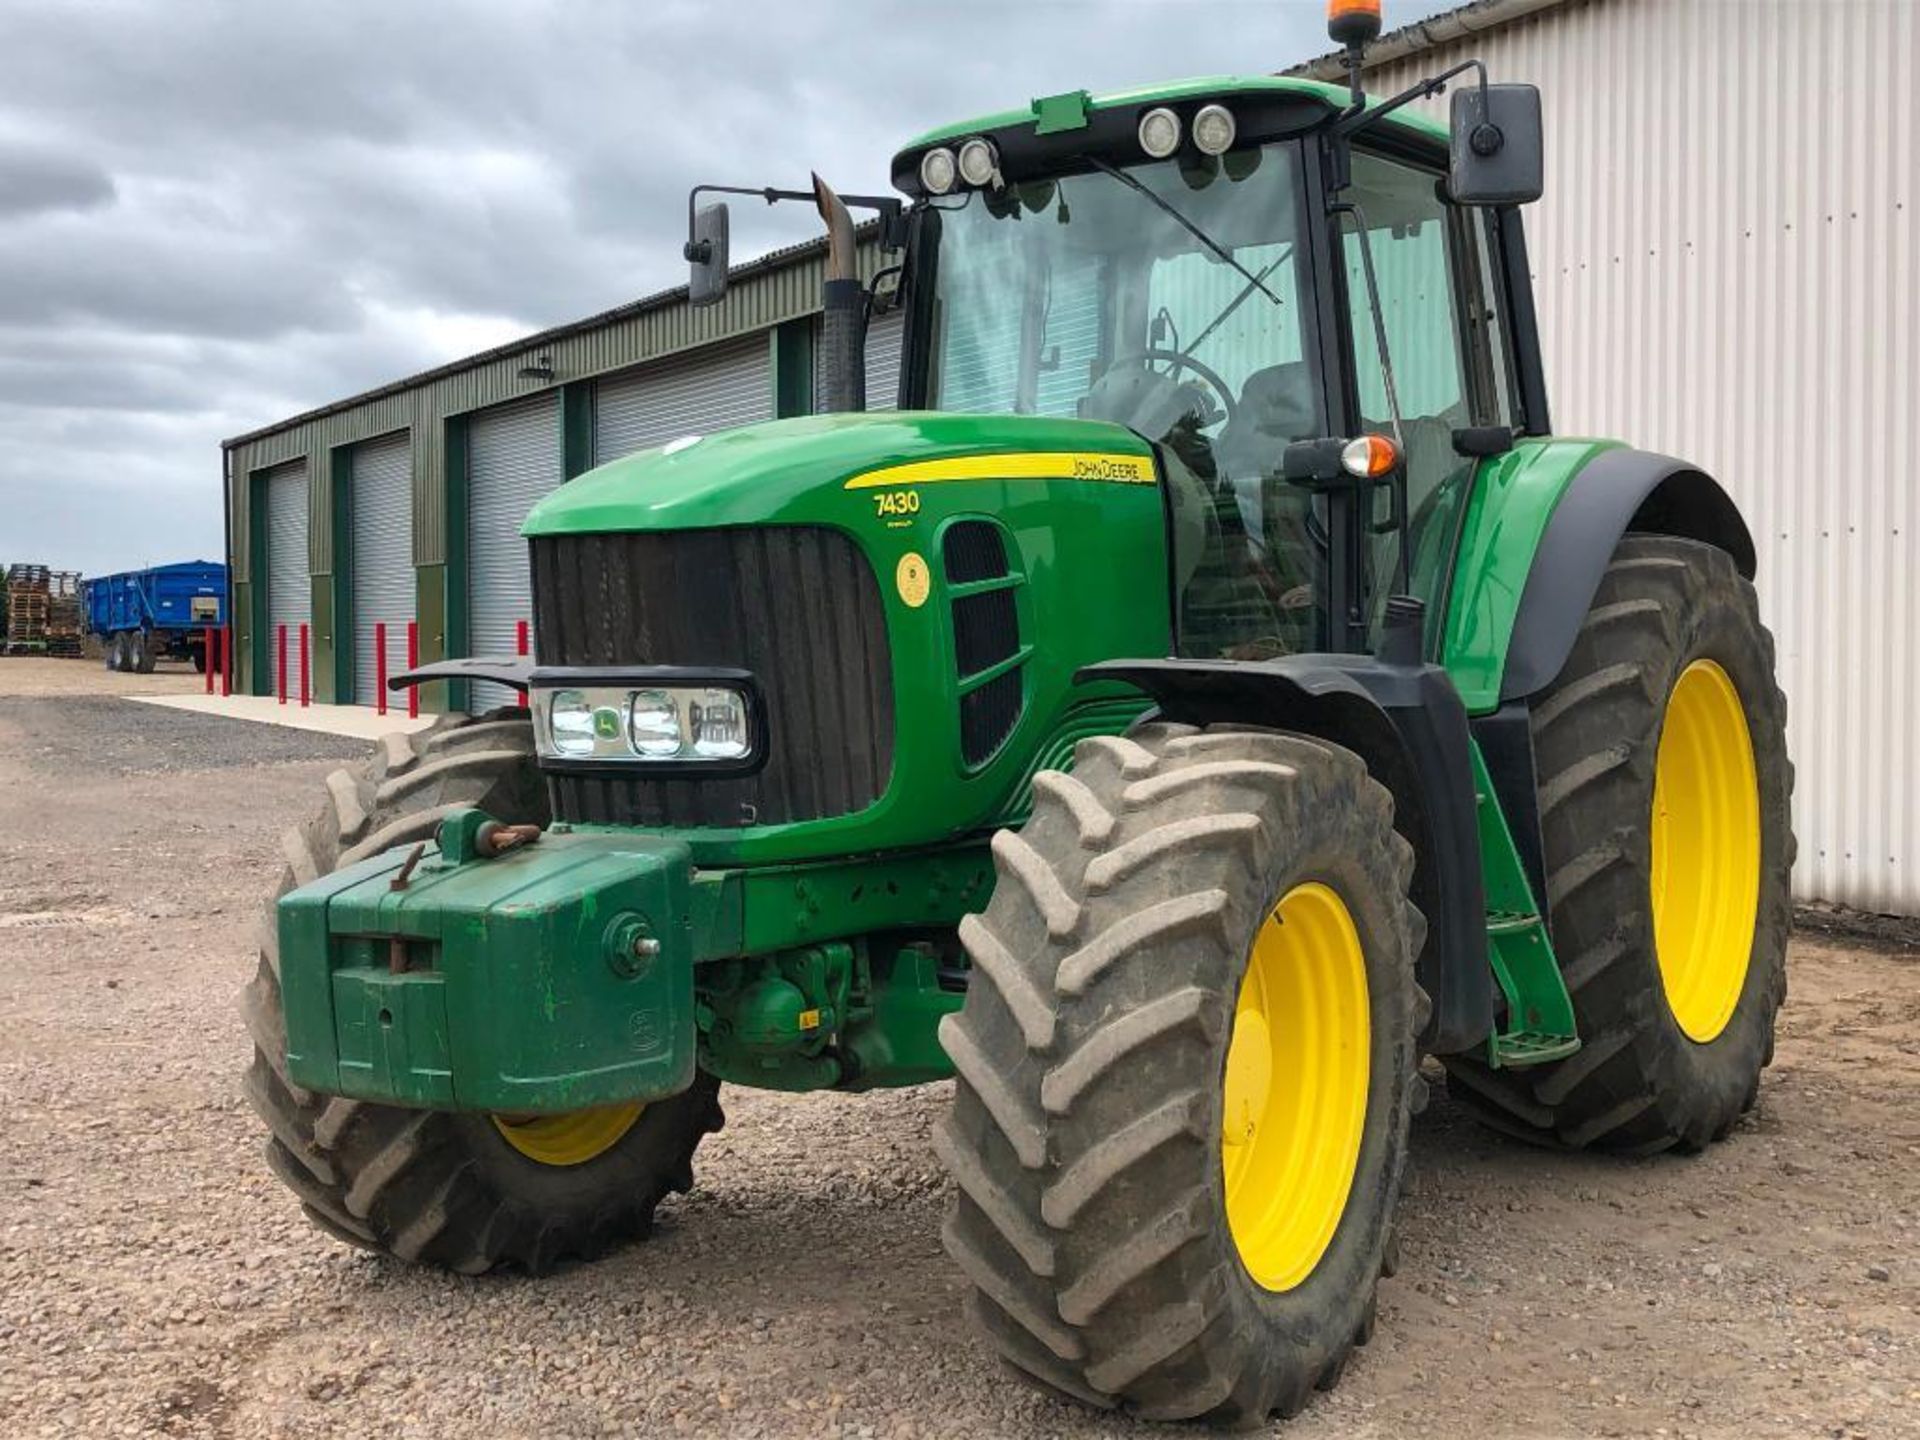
(1444,336)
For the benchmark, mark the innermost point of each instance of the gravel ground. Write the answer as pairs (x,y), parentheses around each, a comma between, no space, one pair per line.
(155,1278)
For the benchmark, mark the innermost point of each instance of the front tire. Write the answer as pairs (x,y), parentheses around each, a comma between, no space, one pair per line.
(463,1191)
(1664,789)
(1195,934)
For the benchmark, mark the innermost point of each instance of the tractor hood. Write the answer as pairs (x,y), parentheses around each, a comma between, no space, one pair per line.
(780,470)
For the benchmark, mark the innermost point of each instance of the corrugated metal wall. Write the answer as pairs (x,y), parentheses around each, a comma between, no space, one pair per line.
(514,463)
(383,589)
(714,389)
(289,600)
(1724,267)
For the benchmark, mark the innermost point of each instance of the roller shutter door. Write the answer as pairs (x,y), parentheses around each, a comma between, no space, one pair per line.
(715,388)
(383,590)
(884,336)
(513,460)
(289,591)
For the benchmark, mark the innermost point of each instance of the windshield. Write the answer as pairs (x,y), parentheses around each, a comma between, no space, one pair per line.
(1168,298)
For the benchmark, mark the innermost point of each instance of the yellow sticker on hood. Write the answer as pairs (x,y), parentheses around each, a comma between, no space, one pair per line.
(1025,465)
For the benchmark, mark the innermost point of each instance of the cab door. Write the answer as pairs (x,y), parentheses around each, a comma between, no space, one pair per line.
(1447,341)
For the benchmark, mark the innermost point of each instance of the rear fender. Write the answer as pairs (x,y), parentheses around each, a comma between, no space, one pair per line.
(1407,723)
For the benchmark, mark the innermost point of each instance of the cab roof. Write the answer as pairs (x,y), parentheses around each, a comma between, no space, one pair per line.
(1213,87)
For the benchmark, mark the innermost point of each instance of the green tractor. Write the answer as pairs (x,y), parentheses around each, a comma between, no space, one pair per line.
(1215,690)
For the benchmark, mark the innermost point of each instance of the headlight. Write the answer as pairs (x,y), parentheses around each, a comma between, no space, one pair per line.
(700,725)
(979,162)
(1213,130)
(938,171)
(570,722)
(655,725)
(717,724)
(1160,132)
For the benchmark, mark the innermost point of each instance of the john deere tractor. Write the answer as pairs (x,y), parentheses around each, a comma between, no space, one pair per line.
(1213,691)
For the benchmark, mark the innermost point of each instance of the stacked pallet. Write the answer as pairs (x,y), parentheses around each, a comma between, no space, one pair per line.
(29,606)
(64,623)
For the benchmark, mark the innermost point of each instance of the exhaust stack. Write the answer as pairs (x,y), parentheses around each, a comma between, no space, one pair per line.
(844,328)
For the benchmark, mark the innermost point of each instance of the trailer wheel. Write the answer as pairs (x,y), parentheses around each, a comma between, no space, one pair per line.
(1185,1071)
(199,653)
(140,655)
(1664,786)
(113,652)
(464,1191)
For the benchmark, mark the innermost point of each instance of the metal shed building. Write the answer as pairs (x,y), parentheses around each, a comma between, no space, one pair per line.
(405,503)
(1721,267)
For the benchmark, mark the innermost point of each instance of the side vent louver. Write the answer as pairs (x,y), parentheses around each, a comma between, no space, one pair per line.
(989,658)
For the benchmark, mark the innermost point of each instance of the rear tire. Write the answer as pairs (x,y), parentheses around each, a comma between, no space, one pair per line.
(1640,1082)
(1092,1208)
(140,656)
(430,1186)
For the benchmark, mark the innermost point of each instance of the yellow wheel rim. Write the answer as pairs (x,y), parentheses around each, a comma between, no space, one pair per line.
(1295,1102)
(1706,850)
(569,1139)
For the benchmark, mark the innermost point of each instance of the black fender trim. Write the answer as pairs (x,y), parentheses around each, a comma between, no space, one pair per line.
(514,670)
(1408,723)
(1617,492)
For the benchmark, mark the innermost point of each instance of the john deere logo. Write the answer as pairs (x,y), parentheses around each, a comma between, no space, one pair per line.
(606,724)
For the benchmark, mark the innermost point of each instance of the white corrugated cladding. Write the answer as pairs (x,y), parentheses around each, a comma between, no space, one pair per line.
(884,336)
(383,589)
(711,389)
(289,589)
(513,459)
(1724,267)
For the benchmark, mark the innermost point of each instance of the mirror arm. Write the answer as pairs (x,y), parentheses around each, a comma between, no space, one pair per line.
(890,207)
(1351,121)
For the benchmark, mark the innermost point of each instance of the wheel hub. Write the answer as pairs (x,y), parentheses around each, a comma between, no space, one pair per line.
(1705,860)
(1294,1102)
(569,1139)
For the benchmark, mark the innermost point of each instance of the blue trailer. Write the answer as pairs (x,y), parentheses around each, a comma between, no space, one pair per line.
(143,616)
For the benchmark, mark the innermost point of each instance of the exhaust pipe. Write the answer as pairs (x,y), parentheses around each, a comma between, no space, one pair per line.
(844,328)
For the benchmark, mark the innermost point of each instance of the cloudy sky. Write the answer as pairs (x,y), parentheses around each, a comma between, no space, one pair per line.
(218,213)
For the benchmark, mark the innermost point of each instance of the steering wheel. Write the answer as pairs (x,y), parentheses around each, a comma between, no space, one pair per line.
(1179,361)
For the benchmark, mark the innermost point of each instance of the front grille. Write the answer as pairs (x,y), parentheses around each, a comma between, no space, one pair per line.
(796,605)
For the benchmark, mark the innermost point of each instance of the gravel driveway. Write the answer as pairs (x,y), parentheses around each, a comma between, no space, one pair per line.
(155,1279)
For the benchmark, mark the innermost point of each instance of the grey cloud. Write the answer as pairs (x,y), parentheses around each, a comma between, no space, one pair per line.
(215,213)
(33,180)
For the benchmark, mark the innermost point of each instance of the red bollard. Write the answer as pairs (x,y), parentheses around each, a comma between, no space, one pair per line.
(209,657)
(413,663)
(380,667)
(226,660)
(283,664)
(303,666)
(520,645)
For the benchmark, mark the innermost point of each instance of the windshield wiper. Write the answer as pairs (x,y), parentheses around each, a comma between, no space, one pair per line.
(1192,229)
(1239,300)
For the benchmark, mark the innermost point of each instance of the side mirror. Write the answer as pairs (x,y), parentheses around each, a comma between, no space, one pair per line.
(706,252)
(1497,150)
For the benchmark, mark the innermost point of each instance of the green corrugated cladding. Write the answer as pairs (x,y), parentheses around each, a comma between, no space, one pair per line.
(764,297)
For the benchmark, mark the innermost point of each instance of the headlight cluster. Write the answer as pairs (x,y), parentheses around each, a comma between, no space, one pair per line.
(700,723)
(976,163)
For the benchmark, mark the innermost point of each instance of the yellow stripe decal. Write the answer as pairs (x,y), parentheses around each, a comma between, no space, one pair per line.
(1028,465)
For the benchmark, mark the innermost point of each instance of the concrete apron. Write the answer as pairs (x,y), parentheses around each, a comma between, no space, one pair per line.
(359,721)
